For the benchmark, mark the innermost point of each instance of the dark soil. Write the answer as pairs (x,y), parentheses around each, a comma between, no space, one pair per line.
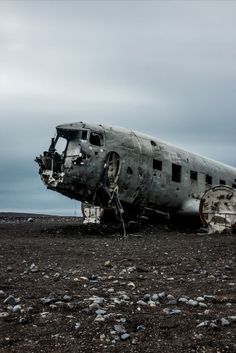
(57,269)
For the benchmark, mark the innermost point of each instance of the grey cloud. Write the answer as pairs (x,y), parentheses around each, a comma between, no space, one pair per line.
(166,68)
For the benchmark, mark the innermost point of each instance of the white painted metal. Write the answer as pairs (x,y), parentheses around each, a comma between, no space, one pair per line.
(218,209)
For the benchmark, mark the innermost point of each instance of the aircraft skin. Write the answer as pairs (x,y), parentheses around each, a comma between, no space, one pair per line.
(118,168)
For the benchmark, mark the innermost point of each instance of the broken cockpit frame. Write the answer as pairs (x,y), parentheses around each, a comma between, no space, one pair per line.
(78,165)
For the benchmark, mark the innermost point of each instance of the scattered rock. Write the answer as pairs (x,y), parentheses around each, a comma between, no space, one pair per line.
(77,325)
(141,328)
(23,320)
(192,302)
(232,318)
(119,329)
(100,312)
(11,300)
(16,309)
(131,285)
(169,311)
(4,314)
(33,268)
(203,324)
(224,322)
(2,294)
(125,336)
(108,264)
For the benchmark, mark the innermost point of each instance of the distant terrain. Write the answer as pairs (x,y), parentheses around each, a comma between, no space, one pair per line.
(68,287)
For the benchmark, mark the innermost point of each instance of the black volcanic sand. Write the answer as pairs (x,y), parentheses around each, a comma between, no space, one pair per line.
(80,288)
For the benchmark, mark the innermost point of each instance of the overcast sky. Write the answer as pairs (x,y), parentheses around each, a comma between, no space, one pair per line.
(166,68)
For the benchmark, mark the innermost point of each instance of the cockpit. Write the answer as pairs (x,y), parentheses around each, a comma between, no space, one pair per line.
(74,145)
(66,137)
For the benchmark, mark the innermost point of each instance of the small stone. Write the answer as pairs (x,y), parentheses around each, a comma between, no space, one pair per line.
(94,306)
(232,318)
(200,299)
(16,308)
(141,302)
(213,325)
(108,264)
(9,268)
(147,297)
(99,318)
(169,311)
(151,303)
(141,328)
(23,320)
(99,300)
(207,312)
(131,269)
(155,297)
(131,285)
(33,268)
(170,297)
(67,298)
(224,322)
(162,295)
(192,302)
(119,329)
(30,220)
(4,314)
(183,300)
(202,305)
(11,300)
(203,324)
(209,297)
(116,301)
(2,294)
(44,314)
(100,312)
(125,336)
(228,268)
(172,302)
(124,297)
(77,325)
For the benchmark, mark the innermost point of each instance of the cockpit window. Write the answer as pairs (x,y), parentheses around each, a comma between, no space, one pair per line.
(96,139)
(84,135)
(61,145)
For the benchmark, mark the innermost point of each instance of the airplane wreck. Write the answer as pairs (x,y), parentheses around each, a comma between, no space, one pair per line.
(131,175)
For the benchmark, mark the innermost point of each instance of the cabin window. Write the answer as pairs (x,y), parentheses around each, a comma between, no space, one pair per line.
(193,175)
(222,182)
(234,186)
(157,164)
(208,179)
(176,173)
(95,139)
(84,135)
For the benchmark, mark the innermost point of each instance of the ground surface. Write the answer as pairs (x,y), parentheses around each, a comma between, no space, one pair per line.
(78,289)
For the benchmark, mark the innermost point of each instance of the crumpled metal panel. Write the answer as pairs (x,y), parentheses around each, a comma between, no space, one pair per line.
(218,209)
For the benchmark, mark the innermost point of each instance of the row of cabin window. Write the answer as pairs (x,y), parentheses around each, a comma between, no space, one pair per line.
(176,173)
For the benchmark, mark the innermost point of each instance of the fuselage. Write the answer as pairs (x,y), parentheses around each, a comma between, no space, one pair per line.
(91,163)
